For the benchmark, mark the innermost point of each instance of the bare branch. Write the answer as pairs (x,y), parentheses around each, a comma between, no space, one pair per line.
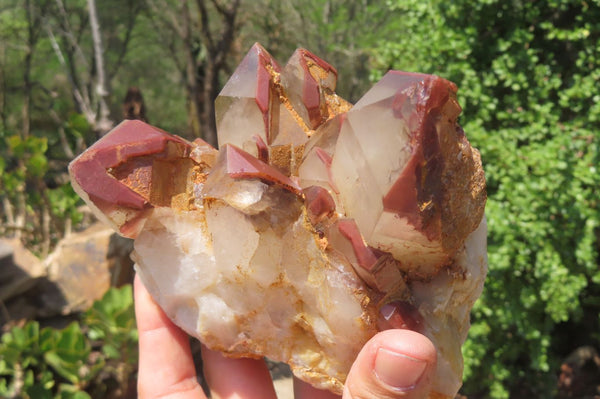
(227,11)
(46,236)
(220,8)
(104,124)
(83,102)
(130,25)
(171,17)
(227,35)
(62,135)
(206,34)
(170,46)
(68,33)
(8,211)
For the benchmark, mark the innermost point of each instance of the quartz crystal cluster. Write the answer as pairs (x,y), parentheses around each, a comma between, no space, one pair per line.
(314,226)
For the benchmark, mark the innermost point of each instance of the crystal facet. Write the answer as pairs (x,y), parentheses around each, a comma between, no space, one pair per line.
(422,185)
(317,223)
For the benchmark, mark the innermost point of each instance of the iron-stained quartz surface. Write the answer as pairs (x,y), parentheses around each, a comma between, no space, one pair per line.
(314,226)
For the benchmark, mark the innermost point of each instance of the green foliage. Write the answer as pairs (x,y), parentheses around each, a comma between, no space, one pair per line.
(25,173)
(64,202)
(528,74)
(112,323)
(31,151)
(79,361)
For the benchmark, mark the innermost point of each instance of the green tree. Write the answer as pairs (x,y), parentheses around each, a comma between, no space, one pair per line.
(25,202)
(51,107)
(198,37)
(528,74)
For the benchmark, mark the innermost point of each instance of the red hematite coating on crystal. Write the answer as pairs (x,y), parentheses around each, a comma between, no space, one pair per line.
(402,315)
(131,226)
(402,197)
(365,256)
(311,97)
(311,90)
(261,148)
(242,165)
(417,182)
(320,62)
(264,83)
(129,139)
(91,176)
(327,160)
(319,203)
(324,156)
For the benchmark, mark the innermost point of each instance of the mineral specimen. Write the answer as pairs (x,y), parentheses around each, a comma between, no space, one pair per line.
(316,224)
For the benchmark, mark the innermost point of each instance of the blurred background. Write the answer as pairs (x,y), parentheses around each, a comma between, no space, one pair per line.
(528,74)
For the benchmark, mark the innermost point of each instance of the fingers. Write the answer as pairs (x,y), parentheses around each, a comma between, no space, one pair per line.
(236,378)
(166,368)
(393,364)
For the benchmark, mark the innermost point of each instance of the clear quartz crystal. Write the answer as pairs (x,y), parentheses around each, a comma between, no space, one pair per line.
(316,224)
(247,104)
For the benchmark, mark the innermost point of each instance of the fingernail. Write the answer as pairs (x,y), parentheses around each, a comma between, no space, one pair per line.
(397,370)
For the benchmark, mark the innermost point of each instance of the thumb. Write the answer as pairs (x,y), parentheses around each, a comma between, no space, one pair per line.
(393,364)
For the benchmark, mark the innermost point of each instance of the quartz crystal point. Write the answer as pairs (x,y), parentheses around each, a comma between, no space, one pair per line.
(316,224)
(406,172)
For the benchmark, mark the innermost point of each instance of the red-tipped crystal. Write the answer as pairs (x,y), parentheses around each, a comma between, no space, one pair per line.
(319,204)
(241,165)
(306,78)
(378,269)
(401,315)
(419,179)
(251,92)
(116,172)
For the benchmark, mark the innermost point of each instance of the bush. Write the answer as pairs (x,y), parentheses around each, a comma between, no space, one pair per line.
(94,357)
(38,203)
(528,76)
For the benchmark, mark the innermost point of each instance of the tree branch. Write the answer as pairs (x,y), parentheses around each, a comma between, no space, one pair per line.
(221,9)
(228,33)
(170,46)
(206,33)
(68,32)
(133,12)
(104,124)
(174,23)
(83,102)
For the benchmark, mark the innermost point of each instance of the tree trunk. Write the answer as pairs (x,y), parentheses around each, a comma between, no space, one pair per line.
(21,201)
(104,123)
(3,115)
(31,41)
(209,94)
(195,119)
(205,49)
(218,47)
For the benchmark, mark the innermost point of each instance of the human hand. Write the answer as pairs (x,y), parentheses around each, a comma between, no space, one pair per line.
(393,364)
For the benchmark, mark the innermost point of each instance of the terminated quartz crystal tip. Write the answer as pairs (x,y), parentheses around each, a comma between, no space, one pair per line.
(407,174)
(317,223)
